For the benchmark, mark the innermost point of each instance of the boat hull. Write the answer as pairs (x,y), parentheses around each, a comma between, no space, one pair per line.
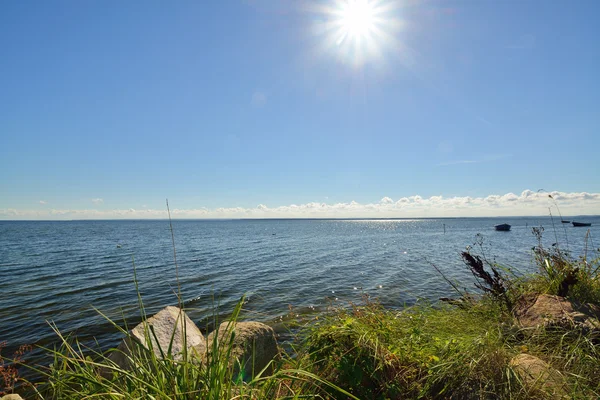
(502,227)
(581,223)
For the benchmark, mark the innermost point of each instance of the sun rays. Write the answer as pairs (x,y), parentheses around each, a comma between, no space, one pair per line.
(357,31)
(357,18)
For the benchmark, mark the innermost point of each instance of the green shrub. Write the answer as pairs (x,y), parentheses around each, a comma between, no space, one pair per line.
(421,352)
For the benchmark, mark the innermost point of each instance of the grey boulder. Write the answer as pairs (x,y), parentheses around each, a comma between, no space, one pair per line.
(253,347)
(162,331)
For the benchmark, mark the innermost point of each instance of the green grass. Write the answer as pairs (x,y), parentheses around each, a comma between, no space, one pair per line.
(421,352)
(439,352)
(461,351)
(78,372)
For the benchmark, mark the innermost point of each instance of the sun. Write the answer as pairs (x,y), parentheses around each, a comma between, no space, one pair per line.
(357,18)
(357,32)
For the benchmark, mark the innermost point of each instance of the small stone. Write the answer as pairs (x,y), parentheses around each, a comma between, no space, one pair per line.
(11,397)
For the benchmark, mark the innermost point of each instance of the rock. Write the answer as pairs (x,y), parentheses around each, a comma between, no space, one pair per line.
(547,310)
(539,376)
(163,323)
(11,397)
(254,347)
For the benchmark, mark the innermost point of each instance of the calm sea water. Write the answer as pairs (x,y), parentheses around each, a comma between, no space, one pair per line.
(56,271)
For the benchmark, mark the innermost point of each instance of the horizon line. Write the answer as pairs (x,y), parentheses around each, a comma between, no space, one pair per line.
(296,219)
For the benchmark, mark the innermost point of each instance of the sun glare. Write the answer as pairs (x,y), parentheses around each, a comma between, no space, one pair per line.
(357,17)
(358,31)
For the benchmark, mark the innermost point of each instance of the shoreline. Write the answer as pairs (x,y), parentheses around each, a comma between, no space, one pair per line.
(508,331)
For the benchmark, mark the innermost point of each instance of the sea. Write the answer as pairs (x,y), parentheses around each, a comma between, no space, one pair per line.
(75,275)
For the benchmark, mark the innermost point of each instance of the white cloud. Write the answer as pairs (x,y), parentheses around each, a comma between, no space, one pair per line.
(43,202)
(97,201)
(526,203)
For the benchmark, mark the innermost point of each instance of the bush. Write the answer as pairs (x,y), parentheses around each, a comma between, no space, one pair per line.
(421,352)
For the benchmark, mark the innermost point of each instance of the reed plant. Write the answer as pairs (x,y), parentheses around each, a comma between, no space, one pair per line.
(10,377)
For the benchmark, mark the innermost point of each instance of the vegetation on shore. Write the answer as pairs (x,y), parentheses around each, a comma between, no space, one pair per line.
(462,348)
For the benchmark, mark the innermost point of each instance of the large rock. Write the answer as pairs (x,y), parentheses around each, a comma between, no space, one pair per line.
(547,310)
(253,347)
(539,377)
(163,324)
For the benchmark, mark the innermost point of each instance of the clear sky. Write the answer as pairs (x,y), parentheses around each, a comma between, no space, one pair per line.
(243,108)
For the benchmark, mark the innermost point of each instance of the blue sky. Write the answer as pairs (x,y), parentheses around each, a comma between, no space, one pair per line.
(115,106)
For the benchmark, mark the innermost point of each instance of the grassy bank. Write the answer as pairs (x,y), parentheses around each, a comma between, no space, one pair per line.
(438,352)
(462,348)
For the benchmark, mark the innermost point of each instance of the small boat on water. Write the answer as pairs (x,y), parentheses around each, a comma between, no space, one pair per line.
(581,223)
(502,227)
(564,221)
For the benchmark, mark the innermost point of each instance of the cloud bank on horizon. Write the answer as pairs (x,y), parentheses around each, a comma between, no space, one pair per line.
(510,204)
